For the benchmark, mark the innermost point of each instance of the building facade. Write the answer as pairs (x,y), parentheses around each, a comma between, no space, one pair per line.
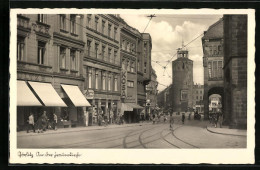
(235,70)
(182,81)
(151,94)
(102,66)
(212,43)
(198,94)
(50,52)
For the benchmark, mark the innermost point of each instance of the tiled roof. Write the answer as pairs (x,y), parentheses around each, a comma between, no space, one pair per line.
(215,30)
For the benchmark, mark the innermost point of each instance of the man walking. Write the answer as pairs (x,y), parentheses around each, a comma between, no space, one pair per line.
(183,118)
(30,123)
(55,121)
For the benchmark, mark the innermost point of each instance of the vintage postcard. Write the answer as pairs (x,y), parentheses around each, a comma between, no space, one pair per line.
(132,86)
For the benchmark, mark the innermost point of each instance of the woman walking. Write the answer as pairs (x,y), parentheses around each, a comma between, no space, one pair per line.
(171,122)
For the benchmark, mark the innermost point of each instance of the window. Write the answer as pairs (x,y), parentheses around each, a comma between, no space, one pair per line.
(20,48)
(130,84)
(184,95)
(42,18)
(89,78)
(115,84)
(103,52)
(96,50)
(138,65)
(123,64)
(123,45)
(41,52)
(144,67)
(63,22)
(62,57)
(132,67)
(220,69)
(109,55)
(88,47)
(109,83)
(219,49)
(89,20)
(200,98)
(214,72)
(115,33)
(103,81)
(209,68)
(73,24)
(96,23)
(103,26)
(115,56)
(128,47)
(128,66)
(73,59)
(200,92)
(96,80)
(109,30)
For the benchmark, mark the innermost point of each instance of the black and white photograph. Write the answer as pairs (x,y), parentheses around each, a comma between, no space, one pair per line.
(99,86)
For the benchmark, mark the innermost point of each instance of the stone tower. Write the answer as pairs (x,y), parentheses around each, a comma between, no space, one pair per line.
(182,80)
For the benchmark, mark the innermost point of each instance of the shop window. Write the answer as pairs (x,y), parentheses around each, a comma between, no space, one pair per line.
(20,48)
(73,59)
(62,57)
(63,22)
(73,24)
(41,52)
(42,18)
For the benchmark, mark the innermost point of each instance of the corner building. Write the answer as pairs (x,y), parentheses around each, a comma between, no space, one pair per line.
(49,68)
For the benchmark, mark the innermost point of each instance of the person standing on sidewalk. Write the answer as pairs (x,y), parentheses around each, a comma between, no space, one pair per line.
(55,121)
(30,123)
(183,118)
(171,121)
(111,116)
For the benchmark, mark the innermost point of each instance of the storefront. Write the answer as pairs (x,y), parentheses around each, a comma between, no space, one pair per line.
(35,97)
(131,112)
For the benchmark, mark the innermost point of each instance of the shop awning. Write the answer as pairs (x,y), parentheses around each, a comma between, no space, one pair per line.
(135,106)
(25,97)
(75,95)
(47,94)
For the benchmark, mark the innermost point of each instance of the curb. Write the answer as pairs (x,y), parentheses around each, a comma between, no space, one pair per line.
(224,133)
(86,129)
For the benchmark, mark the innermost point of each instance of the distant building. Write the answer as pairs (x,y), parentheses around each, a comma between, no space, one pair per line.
(151,93)
(215,103)
(235,70)
(212,43)
(164,99)
(182,81)
(198,94)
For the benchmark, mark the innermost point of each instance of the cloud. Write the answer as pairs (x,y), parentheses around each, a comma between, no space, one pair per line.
(166,38)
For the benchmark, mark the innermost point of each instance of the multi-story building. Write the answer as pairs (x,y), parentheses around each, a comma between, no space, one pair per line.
(50,52)
(182,81)
(164,99)
(235,70)
(151,94)
(212,43)
(198,94)
(102,67)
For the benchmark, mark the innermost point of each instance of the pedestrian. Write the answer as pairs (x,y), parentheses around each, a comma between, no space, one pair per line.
(55,121)
(44,121)
(99,119)
(111,116)
(39,125)
(220,120)
(183,118)
(216,119)
(171,121)
(30,122)
(164,118)
(105,119)
(153,118)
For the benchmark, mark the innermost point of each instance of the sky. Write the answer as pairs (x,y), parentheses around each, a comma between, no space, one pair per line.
(168,32)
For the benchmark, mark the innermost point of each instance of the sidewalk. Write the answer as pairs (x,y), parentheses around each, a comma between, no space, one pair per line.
(226,131)
(78,129)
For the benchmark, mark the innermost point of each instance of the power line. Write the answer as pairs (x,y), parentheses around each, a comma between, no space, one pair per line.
(151,16)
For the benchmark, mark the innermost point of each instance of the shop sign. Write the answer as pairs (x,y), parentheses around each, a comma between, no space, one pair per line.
(123,83)
(89,94)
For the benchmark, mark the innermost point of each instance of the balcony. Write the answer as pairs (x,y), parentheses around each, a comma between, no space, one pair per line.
(23,22)
(41,29)
(21,65)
